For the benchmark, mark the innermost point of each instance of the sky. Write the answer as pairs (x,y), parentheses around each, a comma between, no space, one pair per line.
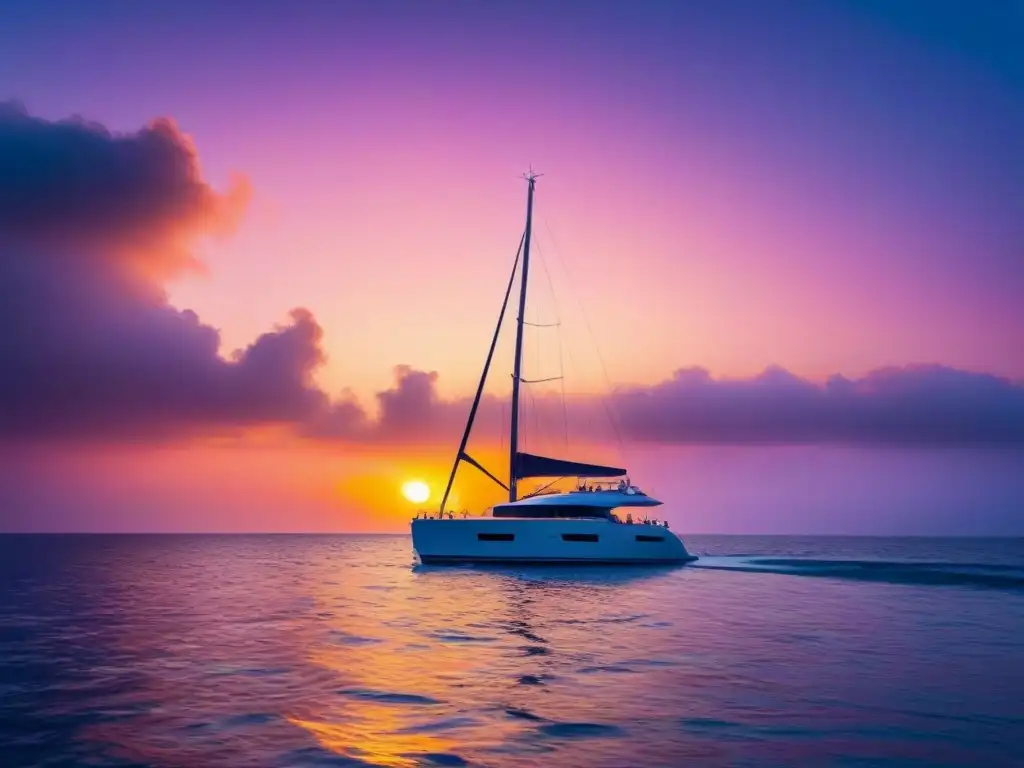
(251,256)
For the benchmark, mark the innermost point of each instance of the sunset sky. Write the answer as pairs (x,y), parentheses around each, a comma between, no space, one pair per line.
(784,243)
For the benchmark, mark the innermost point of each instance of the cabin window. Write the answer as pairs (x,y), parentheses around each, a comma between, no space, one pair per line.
(495,537)
(579,537)
(650,538)
(549,510)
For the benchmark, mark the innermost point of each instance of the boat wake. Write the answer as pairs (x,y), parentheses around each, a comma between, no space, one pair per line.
(977,575)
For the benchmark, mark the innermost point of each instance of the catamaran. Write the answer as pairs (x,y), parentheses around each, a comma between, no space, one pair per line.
(577,526)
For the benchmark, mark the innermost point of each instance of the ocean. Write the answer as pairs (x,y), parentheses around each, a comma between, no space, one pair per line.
(310,650)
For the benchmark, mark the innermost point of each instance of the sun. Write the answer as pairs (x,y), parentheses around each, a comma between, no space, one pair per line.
(416,491)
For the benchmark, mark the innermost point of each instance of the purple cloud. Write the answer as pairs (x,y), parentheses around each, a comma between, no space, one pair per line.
(925,404)
(409,412)
(91,223)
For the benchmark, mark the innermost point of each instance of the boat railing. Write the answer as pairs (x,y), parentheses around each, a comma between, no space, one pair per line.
(605,486)
(433,514)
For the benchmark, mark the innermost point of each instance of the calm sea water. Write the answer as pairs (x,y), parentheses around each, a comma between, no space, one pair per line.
(337,651)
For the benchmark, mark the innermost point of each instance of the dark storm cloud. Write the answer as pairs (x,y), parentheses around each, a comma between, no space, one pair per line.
(91,223)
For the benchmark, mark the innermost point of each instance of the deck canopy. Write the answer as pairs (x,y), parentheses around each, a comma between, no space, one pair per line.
(531,465)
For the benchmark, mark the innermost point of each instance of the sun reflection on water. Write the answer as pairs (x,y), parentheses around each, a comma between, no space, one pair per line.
(374,734)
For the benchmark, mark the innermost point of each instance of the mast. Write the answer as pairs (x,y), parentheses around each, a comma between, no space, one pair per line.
(513,443)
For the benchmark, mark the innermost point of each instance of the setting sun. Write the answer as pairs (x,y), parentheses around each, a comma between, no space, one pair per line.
(416,491)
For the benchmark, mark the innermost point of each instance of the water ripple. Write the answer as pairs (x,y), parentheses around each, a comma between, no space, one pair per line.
(335,651)
(388,698)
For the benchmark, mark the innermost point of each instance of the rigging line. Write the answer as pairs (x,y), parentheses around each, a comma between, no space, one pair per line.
(573,364)
(470,460)
(547,275)
(541,441)
(590,330)
(483,377)
(545,487)
(536,421)
(558,322)
(539,381)
(539,437)
(501,432)
(565,411)
(536,341)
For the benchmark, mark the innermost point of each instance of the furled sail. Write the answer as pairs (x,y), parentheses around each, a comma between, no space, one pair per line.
(530,465)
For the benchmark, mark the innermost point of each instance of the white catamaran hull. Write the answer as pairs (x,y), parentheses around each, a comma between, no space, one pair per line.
(544,540)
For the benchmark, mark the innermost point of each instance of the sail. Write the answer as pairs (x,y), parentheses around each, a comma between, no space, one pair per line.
(530,465)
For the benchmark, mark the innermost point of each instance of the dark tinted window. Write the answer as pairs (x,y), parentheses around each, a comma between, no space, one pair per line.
(495,536)
(650,538)
(579,537)
(553,510)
